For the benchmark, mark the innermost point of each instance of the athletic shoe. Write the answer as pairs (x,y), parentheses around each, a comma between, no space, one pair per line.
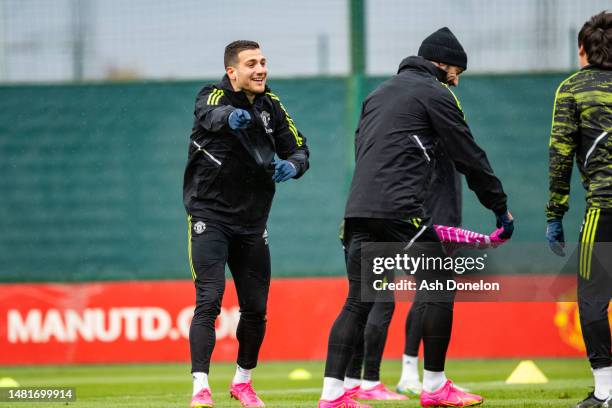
(352,392)
(379,393)
(245,393)
(202,399)
(343,401)
(464,389)
(409,387)
(414,387)
(592,402)
(449,396)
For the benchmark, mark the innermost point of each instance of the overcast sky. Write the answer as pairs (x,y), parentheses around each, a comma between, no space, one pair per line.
(185,38)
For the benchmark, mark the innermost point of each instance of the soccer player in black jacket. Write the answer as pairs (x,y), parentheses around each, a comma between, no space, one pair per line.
(401,123)
(443,204)
(239,126)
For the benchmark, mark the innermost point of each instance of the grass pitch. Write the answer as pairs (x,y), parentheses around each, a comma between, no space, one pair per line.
(169,385)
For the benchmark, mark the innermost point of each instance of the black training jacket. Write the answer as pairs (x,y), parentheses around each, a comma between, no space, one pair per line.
(402,124)
(443,202)
(228,177)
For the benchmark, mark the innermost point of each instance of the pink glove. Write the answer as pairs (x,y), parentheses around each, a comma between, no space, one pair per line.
(455,237)
(495,239)
(465,238)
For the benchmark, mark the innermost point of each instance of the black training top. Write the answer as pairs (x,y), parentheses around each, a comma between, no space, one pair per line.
(396,145)
(228,177)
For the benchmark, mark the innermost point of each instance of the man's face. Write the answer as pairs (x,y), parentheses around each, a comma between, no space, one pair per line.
(249,73)
(452,75)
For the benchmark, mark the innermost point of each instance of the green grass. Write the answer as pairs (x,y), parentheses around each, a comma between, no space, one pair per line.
(169,385)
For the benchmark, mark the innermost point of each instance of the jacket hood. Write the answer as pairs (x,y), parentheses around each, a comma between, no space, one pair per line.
(421,64)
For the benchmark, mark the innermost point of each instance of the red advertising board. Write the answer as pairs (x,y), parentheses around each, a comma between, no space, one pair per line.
(149,322)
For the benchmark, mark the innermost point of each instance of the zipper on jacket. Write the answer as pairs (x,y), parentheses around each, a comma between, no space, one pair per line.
(416,138)
(417,235)
(595,143)
(210,156)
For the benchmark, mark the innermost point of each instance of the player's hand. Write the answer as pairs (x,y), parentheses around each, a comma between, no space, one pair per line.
(555,237)
(239,119)
(283,170)
(495,239)
(506,222)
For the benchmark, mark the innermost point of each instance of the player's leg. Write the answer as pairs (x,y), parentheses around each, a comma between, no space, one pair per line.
(208,249)
(437,389)
(594,291)
(437,312)
(369,349)
(349,324)
(409,382)
(375,336)
(352,378)
(437,319)
(437,327)
(249,262)
(437,306)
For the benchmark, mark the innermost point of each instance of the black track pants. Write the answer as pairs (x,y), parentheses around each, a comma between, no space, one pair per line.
(211,246)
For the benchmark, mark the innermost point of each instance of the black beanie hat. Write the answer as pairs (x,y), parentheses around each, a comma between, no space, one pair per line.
(442,46)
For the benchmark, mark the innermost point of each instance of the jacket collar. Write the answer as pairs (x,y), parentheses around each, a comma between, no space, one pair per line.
(595,67)
(415,63)
(226,85)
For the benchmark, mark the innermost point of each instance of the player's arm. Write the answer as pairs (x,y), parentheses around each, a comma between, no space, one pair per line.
(448,121)
(562,148)
(210,113)
(291,144)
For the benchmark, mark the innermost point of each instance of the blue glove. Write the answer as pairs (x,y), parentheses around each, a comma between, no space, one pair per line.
(506,222)
(555,237)
(283,170)
(239,119)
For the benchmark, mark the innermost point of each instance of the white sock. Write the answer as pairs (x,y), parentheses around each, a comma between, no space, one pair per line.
(242,375)
(200,381)
(367,385)
(603,382)
(410,369)
(433,380)
(351,382)
(332,389)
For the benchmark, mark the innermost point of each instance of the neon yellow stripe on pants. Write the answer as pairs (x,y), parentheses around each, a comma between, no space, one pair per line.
(591,243)
(587,242)
(193,274)
(583,241)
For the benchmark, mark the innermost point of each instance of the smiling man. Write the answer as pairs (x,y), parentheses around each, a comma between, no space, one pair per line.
(239,126)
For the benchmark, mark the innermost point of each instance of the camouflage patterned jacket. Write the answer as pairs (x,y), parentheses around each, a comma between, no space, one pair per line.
(582,123)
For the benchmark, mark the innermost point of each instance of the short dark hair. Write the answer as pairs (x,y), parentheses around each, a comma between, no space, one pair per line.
(234,48)
(596,38)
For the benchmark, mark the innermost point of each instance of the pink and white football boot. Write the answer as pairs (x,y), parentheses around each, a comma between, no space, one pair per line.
(449,396)
(202,399)
(379,393)
(245,393)
(344,401)
(352,392)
